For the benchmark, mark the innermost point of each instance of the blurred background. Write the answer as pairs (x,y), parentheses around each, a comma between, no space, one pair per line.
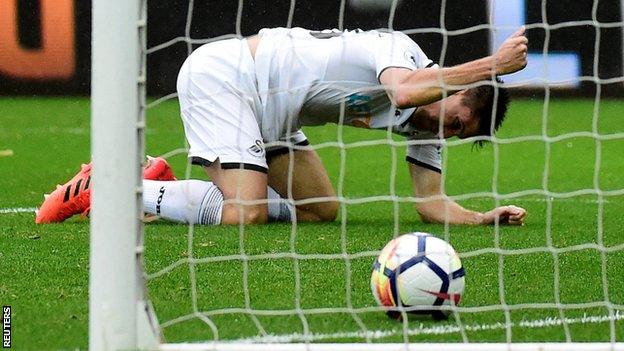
(574,44)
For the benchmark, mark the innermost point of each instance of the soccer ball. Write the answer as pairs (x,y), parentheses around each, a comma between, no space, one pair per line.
(415,272)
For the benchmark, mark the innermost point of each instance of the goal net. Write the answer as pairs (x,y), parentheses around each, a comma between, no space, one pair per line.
(554,283)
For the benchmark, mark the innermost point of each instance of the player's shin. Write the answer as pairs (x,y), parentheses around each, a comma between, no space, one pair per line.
(185,201)
(200,202)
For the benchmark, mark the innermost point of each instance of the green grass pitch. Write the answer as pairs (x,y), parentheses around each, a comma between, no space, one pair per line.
(45,268)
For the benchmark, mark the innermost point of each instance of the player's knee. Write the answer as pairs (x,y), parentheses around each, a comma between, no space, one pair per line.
(327,211)
(236,214)
(255,214)
(331,211)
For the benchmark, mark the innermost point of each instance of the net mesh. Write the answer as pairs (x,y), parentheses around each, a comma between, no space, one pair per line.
(573,300)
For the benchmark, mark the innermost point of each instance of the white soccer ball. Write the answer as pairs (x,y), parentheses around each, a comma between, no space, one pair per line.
(415,272)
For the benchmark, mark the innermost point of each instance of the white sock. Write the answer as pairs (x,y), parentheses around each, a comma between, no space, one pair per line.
(200,202)
(279,209)
(184,201)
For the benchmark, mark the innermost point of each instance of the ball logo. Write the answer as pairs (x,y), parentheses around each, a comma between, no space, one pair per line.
(444,296)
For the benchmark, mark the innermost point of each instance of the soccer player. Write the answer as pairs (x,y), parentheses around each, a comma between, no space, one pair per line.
(243,102)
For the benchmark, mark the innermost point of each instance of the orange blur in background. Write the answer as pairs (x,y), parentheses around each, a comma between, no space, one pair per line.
(56,59)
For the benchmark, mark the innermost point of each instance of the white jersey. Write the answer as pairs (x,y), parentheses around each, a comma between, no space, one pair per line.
(311,78)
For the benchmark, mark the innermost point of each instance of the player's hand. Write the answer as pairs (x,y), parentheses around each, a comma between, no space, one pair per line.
(512,55)
(512,215)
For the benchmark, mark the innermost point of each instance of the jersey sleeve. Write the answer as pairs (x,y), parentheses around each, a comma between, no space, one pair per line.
(398,50)
(425,155)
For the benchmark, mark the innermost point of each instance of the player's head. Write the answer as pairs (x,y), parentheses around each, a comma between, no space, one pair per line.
(481,101)
(465,114)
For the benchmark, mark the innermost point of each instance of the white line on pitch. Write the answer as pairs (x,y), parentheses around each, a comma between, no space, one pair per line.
(17,210)
(429,330)
(33,209)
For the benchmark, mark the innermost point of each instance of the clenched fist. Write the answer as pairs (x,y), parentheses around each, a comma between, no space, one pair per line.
(512,55)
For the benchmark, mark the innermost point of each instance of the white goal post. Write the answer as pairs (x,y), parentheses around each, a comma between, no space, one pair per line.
(120,315)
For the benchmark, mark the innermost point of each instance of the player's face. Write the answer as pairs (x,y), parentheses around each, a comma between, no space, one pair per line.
(447,118)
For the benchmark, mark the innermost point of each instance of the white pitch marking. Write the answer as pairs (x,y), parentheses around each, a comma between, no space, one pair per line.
(17,210)
(428,330)
(33,209)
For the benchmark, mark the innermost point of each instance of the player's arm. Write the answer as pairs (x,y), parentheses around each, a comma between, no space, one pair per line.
(411,88)
(440,208)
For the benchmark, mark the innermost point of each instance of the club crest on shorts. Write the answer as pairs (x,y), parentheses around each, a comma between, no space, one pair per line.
(257,149)
(408,55)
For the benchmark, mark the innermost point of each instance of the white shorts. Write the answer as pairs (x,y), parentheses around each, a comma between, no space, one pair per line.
(220,107)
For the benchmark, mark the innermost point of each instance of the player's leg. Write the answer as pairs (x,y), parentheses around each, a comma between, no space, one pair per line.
(222,201)
(219,104)
(244,190)
(201,202)
(309,180)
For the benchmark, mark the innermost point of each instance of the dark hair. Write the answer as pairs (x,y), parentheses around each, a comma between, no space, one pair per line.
(481,100)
